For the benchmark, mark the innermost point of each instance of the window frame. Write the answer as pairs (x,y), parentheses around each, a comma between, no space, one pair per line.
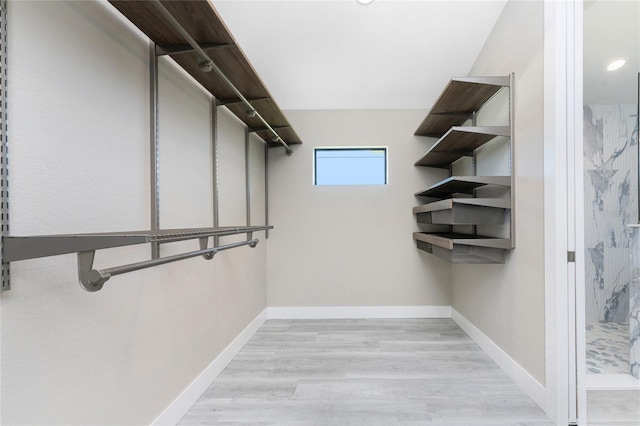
(314,160)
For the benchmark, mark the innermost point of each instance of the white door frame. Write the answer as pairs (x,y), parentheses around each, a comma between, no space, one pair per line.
(564,223)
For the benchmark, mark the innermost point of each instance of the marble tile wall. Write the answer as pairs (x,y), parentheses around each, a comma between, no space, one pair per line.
(634,317)
(611,204)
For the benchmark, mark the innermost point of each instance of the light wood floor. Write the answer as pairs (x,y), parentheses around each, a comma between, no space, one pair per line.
(364,372)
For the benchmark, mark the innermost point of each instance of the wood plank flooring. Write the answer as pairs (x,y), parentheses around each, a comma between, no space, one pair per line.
(363,372)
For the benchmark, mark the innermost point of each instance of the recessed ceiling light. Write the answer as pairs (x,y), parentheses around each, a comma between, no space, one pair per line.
(364,1)
(617,64)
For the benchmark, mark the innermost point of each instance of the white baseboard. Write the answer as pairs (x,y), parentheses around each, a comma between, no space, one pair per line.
(518,374)
(179,407)
(612,382)
(352,312)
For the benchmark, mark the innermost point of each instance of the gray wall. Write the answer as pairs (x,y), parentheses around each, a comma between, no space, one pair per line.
(351,245)
(79,147)
(506,302)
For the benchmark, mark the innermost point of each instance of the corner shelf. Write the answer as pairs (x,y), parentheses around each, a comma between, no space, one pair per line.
(456,201)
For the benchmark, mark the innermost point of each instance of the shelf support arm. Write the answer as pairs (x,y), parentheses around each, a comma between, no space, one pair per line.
(93,279)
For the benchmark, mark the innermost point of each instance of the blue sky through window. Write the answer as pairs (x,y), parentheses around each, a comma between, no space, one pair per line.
(350,166)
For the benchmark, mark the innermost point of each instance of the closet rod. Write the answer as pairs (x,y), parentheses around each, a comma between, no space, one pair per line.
(207,64)
(93,279)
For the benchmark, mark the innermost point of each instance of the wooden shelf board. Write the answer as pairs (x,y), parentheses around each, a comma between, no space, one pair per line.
(202,22)
(460,98)
(462,185)
(459,142)
(499,203)
(465,254)
(449,239)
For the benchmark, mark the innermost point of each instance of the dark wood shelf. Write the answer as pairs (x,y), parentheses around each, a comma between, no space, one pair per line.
(462,185)
(463,248)
(459,100)
(206,27)
(463,211)
(459,142)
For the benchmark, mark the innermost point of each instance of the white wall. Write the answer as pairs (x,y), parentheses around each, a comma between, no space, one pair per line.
(346,245)
(79,154)
(506,302)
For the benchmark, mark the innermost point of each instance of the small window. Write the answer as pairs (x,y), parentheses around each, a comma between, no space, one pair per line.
(350,166)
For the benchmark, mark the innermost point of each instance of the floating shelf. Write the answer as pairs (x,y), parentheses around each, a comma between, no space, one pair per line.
(457,103)
(459,142)
(463,248)
(21,248)
(463,211)
(204,24)
(462,185)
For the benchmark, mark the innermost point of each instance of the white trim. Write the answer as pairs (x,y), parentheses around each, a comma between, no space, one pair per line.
(612,382)
(558,29)
(179,407)
(349,312)
(519,375)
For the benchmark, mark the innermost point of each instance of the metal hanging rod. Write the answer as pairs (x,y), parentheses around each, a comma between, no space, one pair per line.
(93,279)
(225,102)
(207,64)
(175,49)
(262,129)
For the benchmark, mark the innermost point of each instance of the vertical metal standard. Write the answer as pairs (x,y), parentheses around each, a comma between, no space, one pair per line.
(214,159)
(266,189)
(638,143)
(206,64)
(512,156)
(247,173)
(154,146)
(4,157)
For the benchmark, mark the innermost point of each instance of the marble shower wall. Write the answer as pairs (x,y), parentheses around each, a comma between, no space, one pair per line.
(634,317)
(611,203)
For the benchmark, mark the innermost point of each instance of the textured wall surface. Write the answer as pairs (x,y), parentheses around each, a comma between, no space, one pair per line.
(506,302)
(79,111)
(352,245)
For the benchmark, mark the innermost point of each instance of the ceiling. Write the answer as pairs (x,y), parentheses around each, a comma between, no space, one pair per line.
(338,54)
(611,31)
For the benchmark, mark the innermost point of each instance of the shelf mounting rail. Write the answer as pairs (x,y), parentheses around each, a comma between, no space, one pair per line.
(85,245)
(207,64)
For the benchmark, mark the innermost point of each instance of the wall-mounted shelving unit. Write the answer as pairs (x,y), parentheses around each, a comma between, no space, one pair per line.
(228,63)
(194,36)
(457,202)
